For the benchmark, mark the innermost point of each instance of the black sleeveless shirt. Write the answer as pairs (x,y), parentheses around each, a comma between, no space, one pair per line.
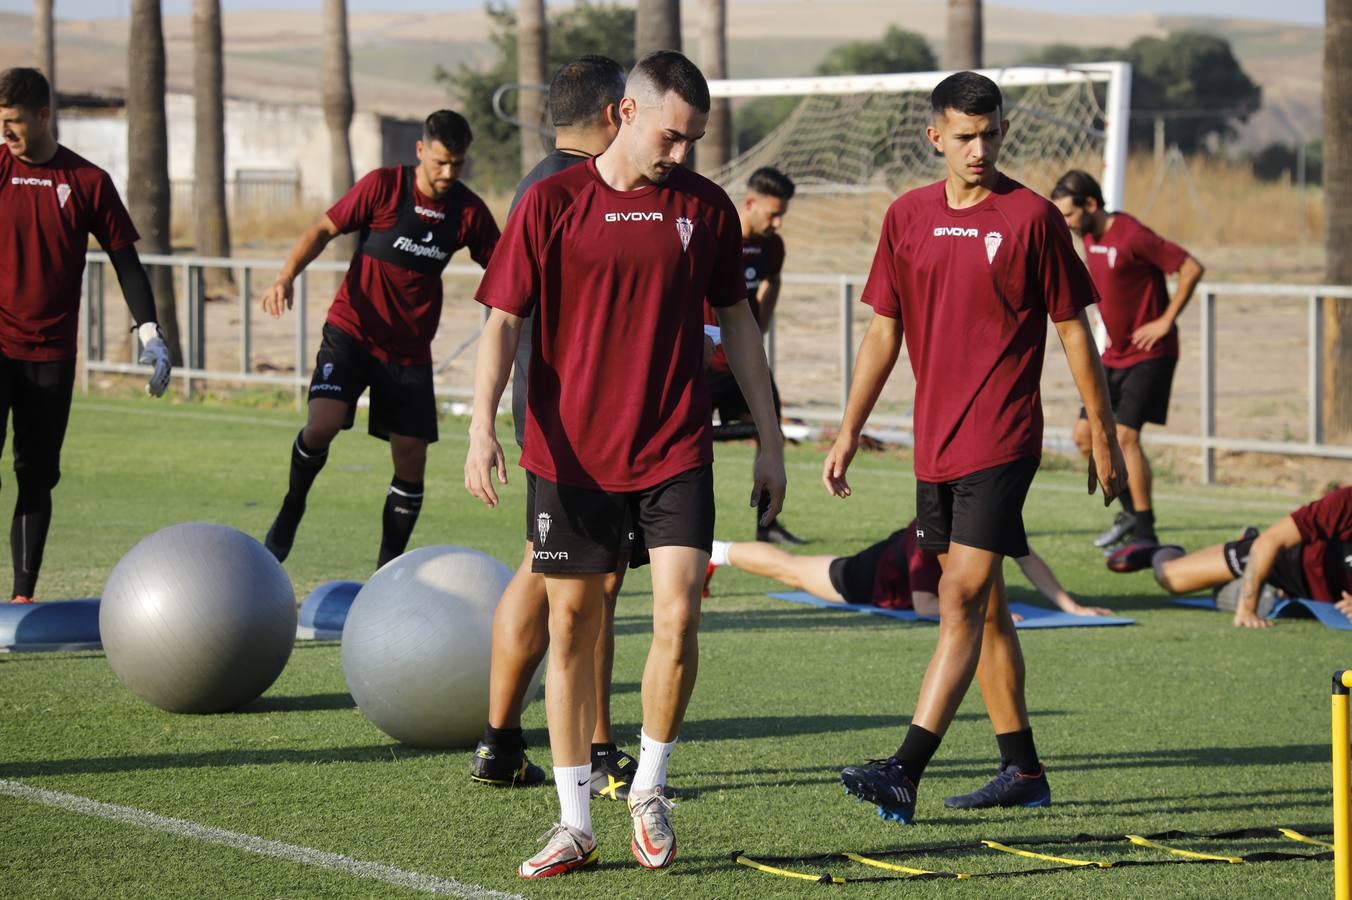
(412,243)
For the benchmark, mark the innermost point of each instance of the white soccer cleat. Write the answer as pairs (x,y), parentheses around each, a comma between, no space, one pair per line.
(566,850)
(654,842)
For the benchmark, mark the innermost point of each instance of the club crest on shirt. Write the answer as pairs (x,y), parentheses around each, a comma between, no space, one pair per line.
(685,228)
(542,527)
(993,239)
(327,370)
(62,195)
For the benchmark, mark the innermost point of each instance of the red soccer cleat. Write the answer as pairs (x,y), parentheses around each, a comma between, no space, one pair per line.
(19,598)
(708,577)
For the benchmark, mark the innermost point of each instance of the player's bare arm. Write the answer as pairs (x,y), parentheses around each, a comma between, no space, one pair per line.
(1107,468)
(492,368)
(878,354)
(1280,536)
(767,295)
(741,336)
(1156,330)
(277,298)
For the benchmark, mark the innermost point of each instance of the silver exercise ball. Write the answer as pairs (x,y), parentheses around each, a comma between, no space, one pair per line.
(198,618)
(417,641)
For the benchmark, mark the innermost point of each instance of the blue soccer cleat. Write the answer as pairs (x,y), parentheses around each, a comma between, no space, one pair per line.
(884,782)
(1011,787)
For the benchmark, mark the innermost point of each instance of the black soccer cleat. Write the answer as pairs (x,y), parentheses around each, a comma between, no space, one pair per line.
(490,765)
(1011,787)
(883,782)
(1120,530)
(1137,555)
(612,771)
(776,533)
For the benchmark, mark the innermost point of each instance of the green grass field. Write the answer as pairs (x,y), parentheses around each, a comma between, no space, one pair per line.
(1178,722)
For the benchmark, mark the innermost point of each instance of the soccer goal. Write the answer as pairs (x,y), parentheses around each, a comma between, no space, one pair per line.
(855,142)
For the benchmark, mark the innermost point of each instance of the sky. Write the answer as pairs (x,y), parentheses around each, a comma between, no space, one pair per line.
(1304,12)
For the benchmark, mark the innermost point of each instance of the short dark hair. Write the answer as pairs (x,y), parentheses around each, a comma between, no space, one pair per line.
(25,88)
(969,93)
(770,181)
(583,88)
(1079,186)
(670,71)
(450,128)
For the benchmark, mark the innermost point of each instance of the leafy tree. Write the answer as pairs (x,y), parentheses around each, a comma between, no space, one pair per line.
(1277,161)
(573,31)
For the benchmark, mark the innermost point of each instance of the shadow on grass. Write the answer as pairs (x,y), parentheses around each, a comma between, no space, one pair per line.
(790,618)
(307,703)
(372,753)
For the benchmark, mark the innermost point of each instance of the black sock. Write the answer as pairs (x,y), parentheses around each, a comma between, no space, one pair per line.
(604,749)
(403,502)
(28,537)
(1017,747)
(1127,505)
(305,466)
(511,740)
(1144,529)
(916,750)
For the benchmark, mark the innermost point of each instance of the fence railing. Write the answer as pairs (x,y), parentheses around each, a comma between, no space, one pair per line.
(191,280)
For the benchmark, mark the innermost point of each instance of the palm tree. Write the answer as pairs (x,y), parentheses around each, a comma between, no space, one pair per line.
(657,26)
(44,41)
(712,24)
(338,103)
(532,42)
(148,157)
(212,228)
(1338,213)
(963,50)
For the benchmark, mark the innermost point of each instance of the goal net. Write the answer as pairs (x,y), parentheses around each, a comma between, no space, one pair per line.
(854,143)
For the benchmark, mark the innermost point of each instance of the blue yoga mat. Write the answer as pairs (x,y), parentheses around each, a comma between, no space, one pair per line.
(51,625)
(1287,608)
(1033,616)
(325,609)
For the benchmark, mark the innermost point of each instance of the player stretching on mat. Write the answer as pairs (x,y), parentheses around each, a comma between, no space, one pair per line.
(1128,263)
(51,201)
(768,192)
(584,101)
(967,271)
(1305,554)
(894,573)
(379,330)
(614,257)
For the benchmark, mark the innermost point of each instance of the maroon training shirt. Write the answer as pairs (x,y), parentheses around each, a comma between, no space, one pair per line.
(617,280)
(1326,534)
(47,213)
(762,258)
(394,311)
(1128,265)
(973,288)
(904,568)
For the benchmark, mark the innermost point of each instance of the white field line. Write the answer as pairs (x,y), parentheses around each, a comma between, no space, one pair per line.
(182,828)
(1215,500)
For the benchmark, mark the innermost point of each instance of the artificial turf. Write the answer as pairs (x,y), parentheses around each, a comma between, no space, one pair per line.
(1179,722)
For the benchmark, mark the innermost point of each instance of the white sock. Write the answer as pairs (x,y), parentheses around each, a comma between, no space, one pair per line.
(652,763)
(574,786)
(719,556)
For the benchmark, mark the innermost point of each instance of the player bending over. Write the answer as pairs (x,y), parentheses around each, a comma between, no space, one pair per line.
(51,201)
(1305,554)
(379,330)
(967,272)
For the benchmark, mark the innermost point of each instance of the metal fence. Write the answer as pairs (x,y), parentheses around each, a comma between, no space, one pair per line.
(1253,352)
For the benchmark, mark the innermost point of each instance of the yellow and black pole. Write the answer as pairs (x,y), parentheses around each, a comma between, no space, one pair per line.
(1342,801)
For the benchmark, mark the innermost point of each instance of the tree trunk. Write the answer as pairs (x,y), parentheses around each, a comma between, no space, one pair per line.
(963,46)
(1338,215)
(148,158)
(531,61)
(657,26)
(338,107)
(712,24)
(211,227)
(44,46)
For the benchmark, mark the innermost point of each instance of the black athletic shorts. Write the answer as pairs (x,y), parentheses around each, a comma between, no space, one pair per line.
(1287,575)
(725,396)
(580,531)
(631,542)
(1140,393)
(38,395)
(982,510)
(853,577)
(402,399)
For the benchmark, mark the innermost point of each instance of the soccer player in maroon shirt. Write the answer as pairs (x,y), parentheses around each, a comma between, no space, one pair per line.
(1128,263)
(51,201)
(1305,554)
(967,272)
(762,211)
(379,330)
(615,258)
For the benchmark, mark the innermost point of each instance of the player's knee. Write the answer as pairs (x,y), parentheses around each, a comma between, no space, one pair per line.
(1128,438)
(1080,435)
(319,434)
(37,478)
(572,628)
(675,627)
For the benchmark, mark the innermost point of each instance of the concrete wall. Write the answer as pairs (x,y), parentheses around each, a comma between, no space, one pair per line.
(290,139)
